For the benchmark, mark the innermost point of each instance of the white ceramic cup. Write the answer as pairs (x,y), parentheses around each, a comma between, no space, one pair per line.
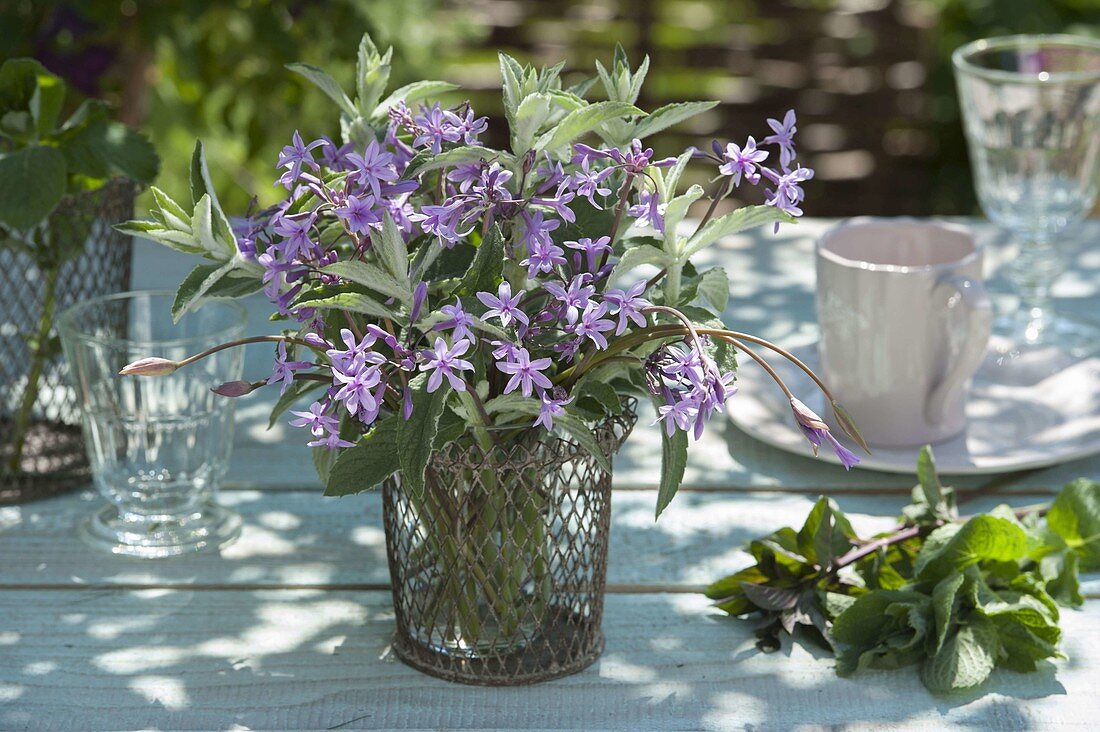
(905,321)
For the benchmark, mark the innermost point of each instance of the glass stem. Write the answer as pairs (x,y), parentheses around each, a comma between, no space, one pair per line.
(1033,271)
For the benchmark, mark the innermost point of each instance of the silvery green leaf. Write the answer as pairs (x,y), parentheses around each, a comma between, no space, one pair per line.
(569,422)
(355,302)
(669,178)
(637,79)
(531,115)
(372,74)
(181,241)
(609,86)
(196,285)
(390,248)
(170,213)
(742,219)
(675,212)
(714,287)
(426,160)
(372,277)
(210,232)
(581,121)
(511,73)
(412,93)
(201,185)
(327,84)
(639,255)
(669,115)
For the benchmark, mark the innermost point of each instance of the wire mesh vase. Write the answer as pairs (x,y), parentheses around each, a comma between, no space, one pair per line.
(498,565)
(76,254)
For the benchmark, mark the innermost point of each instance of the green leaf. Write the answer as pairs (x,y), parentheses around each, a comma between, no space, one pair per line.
(30,99)
(1075,516)
(570,423)
(412,93)
(770,597)
(869,616)
(714,287)
(742,219)
(32,182)
(965,661)
(673,464)
(675,212)
(945,605)
(669,115)
(98,147)
(390,248)
(372,74)
(168,212)
(372,277)
(416,435)
(425,160)
(581,121)
(602,392)
(984,537)
(639,255)
(355,302)
(211,231)
(485,271)
(1059,571)
(196,285)
(46,102)
(181,241)
(327,84)
(374,458)
(826,534)
(531,114)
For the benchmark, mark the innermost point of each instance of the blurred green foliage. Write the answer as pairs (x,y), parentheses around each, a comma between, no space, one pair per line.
(215,70)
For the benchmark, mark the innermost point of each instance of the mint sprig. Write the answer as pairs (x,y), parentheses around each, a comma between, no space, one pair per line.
(956,596)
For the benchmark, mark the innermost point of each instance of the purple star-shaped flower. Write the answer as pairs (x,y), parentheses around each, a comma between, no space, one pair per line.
(503,305)
(742,161)
(550,408)
(355,383)
(589,252)
(648,210)
(358,213)
(316,419)
(332,440)
(373,167)
(574,299)
(587,182)
(295,232)
(444,362)
(526,374)
(284,370)
(541,257)
(678,414)
(788,193)
(296,154)
(592,324)
(784,137)
(628,305)
(458,321)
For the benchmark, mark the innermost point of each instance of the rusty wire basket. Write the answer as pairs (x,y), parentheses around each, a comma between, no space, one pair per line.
(77,255)
(498,566)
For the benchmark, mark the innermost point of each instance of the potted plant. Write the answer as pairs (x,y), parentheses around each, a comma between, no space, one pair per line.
(474,330)
(64,183)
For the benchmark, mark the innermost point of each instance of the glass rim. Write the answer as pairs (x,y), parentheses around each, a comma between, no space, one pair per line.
(960,58)
(66,324)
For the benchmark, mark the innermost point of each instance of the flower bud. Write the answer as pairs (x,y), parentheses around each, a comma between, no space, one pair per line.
(151,366)
(233,389)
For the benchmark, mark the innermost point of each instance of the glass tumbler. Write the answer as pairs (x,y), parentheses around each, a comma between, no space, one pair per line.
(158,446)
(1031,112)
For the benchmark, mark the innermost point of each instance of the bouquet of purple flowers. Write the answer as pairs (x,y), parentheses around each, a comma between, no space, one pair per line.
(428,279)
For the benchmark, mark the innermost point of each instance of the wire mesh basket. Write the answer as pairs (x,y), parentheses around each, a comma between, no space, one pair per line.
(498,565)
(76,255)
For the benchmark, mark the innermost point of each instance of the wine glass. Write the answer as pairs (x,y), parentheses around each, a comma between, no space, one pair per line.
(1031,111)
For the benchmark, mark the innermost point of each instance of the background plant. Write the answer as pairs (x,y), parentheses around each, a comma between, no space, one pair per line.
(957,596)
(46,155)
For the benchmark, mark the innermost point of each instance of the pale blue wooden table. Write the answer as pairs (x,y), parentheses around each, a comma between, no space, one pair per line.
(288,628)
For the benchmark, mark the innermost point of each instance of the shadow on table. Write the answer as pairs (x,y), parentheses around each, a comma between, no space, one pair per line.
(306,659)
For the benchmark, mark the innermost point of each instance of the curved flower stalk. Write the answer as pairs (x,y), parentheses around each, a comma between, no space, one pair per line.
(427,280)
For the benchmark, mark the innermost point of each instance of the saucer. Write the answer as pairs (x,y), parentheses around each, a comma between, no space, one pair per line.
(1009,427)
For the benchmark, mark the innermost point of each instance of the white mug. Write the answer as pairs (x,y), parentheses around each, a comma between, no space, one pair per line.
(905,321)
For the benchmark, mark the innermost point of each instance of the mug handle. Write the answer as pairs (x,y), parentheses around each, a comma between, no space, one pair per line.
(974,330)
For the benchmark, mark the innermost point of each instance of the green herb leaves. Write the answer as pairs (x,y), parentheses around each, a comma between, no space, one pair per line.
(956,597)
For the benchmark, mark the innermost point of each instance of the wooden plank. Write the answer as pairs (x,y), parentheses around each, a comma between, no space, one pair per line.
(300,539)
(307,660)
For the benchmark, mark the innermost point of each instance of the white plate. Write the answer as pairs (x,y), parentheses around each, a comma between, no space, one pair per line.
(1009,427)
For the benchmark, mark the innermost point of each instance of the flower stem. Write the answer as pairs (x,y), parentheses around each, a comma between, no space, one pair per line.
(38,364)
(241,342)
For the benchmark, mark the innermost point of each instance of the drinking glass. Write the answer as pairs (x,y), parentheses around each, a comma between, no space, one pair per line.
(158,446)
(1031,111)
